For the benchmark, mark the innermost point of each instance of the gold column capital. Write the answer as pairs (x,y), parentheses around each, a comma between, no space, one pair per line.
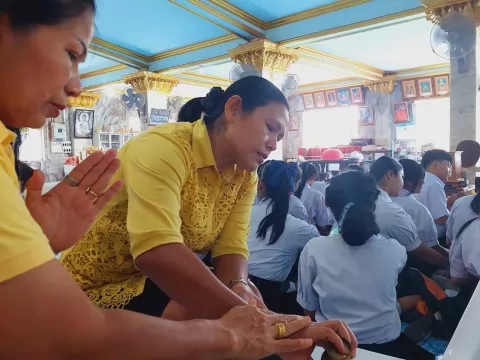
(264,55)
(144,80)
(384,87)
(438,10)
(85,100)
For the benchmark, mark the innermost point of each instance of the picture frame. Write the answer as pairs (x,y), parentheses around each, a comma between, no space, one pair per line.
(442,85)
(356,95)
(158,117)
(400,113)
(83,122)
(331,97)
(319,99)
(293,122)
(425,88)
(409,89)
(308,101)
(367,117)
(343,96)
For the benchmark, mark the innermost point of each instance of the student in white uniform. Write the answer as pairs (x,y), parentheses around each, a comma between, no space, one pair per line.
(461,213)
(465,250)
(296,207)
(276,238)
(437,164)
(352,276)
(320,183)
(392,219)
(312,199)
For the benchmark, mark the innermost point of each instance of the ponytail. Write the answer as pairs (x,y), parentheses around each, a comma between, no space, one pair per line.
(475,204)
(351,197)
(308,170)
(278,178)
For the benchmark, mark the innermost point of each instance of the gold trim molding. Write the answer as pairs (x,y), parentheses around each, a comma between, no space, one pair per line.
(85,100)
(144,80)
(103,71)
(438,10)
(384,87)
(264,55)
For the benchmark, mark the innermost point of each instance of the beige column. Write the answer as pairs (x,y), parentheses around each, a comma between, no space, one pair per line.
(272,61)
(155,87)
(382,96)
(464,81)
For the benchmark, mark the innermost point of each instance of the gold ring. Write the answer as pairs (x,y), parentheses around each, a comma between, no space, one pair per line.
(71,181)
(91,192)
(281,330)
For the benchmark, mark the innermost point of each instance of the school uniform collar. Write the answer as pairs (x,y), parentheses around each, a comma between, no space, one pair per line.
(404,192)
(429,177)
(384,196)
(201,146)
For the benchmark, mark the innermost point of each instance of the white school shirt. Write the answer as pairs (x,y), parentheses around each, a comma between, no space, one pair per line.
(434,198)
(464,253)
(320,186)
(421,217)
(395,223)
(314,202)
(354,284)
(295,207)
(275,261)
(459,215)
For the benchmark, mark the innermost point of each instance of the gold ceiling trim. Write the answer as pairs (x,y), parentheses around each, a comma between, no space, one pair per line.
(264,54)
(227,18)
(102,85)
(234,10)
(194,47)
(145,80)
(103,71)
(365,71)
(310,38)
(175,2)
(307,14)
(117,57)
(206,77)
(201,83)
(84,100)
(421,69)
(383,87)
(192,64)
(121,50)
(329,85)
(438,10)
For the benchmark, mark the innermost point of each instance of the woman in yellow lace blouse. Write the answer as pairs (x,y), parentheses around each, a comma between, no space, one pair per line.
(189,189)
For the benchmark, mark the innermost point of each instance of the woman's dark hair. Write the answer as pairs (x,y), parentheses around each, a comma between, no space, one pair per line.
(27,14)
(308,170)
(261,168)
(24,171)
(413,173)
(351,197)
(355,167)
(278,177)
(255,92)
(382,166)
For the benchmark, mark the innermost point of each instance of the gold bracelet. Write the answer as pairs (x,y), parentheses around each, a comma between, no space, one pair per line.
(232,283)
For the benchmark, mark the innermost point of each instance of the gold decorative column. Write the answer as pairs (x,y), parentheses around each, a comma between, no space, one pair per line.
(155,87)
(85,100)
(383,87)
(464,96)
(266,56)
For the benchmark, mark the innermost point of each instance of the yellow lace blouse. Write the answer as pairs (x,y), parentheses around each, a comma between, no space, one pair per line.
(173,193)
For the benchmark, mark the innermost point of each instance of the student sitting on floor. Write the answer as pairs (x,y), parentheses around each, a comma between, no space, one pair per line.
(320,183)
(394,222)
(276,238)
(461,213)
(352,276)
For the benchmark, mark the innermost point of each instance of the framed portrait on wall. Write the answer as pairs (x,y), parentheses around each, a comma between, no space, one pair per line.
(83,124)
(308,101)
(442,85)
(343,97)
(331,98)
(356,95)
(409,89)
(319,99)
(366,116)
(425,87)
(400,113)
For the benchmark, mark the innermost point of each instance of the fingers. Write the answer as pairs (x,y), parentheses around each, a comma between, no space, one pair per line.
(82,169)
(330,336)
(284,346)
(109,194)
(292,325)
(34,185)
(99,176)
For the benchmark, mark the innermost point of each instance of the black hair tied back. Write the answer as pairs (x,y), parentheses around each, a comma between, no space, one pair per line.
(213,104)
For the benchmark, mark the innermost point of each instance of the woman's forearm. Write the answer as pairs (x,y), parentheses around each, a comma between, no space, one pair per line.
(230,267)
(185,279)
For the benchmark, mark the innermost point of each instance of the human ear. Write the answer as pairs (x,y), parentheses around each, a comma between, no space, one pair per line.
(233,108)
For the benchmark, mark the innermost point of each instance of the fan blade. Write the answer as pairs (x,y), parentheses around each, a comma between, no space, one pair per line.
(125,97)
(130,92)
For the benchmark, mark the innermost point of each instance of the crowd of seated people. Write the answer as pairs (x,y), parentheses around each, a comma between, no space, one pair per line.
(375,267)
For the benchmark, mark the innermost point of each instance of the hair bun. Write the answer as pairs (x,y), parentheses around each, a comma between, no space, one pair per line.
(213,100)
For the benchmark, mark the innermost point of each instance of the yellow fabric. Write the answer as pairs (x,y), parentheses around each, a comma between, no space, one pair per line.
(173,193)
(23,245)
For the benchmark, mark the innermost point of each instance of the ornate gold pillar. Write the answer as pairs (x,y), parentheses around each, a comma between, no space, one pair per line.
(464,98)
(382,87)
(85,100)
(155,87)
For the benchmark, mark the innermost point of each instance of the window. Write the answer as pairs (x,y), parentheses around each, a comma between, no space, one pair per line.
(330,127)
(32,148)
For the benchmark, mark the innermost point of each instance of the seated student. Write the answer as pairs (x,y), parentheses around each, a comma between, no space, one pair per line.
(461,213)
(352,276)
(392,220)
(355,167)
(320,183)
(312,199)
(276,238)
(437,164)
(465,250)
